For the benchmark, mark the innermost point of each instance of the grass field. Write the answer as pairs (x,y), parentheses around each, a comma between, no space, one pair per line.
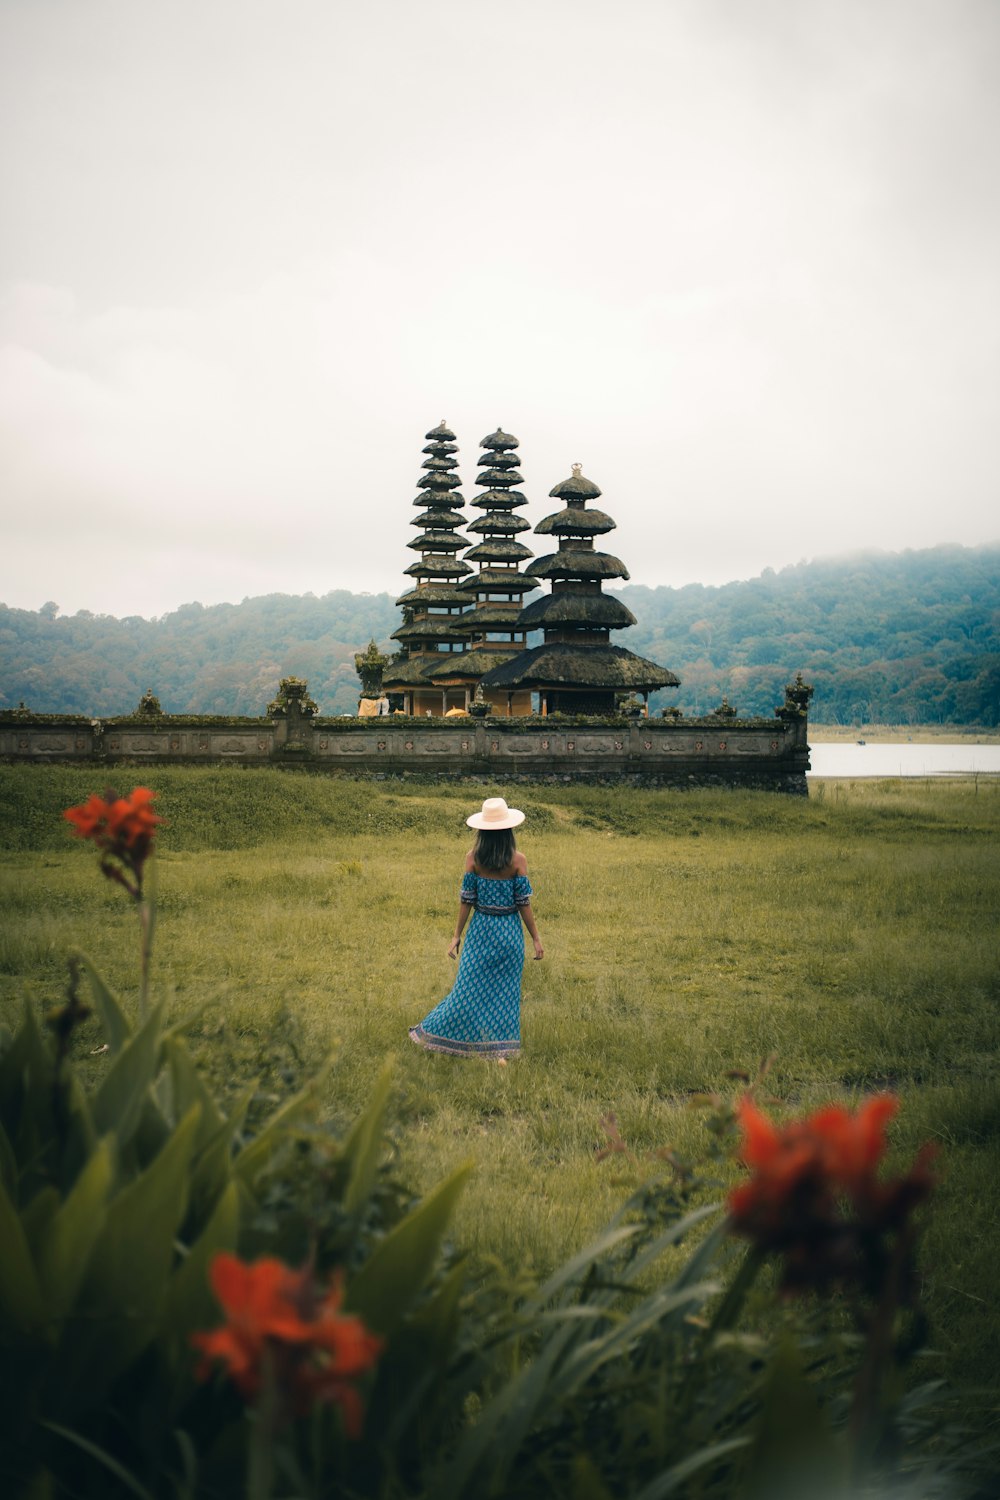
(901,734)
(853,935)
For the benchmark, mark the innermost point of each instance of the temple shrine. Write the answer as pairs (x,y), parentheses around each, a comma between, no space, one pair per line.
(464,632)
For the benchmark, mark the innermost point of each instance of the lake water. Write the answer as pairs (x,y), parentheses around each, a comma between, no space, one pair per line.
(903,760)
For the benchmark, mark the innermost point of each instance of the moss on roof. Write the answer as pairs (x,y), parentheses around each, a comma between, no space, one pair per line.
(493,616)
(439,567)
(568,563)
(500,440)
(439,482)
(497,524)
(468,666)
(497,580)
(409,673)
(575,488)
(499,477)
(433,593)
(433,628)
(442,520)
(569,608)
(438,541)
(560,665)
(499,549)
(575,521)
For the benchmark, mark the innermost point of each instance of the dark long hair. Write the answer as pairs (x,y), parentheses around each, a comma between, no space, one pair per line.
(494,848)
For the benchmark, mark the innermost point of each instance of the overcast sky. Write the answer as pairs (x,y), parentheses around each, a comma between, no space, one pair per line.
(738,257)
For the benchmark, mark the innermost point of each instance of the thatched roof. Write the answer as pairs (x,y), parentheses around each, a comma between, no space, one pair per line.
(441,449)
(499,461)
(499,580)
(403,674)
(499,500)
(440,465)
(433,593)
(439,567)
(498,549)
(433,628)
(439,482)
(575,521)
(559,665)
(443,520)
(465,666)
(493,616)
(569,563)
(497,524)
(499,477)
(499,440)
(575,488)
(438,541)
(602,611)
(449,500)
(440,433)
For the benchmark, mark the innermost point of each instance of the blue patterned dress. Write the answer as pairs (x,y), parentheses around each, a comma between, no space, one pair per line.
(481,1017)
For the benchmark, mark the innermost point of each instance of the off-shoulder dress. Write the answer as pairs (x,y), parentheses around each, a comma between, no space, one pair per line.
(481,1016)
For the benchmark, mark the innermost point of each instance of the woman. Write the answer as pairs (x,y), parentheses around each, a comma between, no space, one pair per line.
(481,1017)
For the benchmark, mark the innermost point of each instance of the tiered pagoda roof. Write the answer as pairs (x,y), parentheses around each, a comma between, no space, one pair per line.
(497,588)
(433,608)
(576,666)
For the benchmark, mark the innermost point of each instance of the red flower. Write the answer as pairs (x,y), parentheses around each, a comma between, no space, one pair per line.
(277,1314)
(815,1195)
(123,828)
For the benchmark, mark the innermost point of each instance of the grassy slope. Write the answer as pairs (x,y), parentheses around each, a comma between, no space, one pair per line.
(687,934)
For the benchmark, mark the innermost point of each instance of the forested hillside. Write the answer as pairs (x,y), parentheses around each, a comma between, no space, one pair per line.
(909,637)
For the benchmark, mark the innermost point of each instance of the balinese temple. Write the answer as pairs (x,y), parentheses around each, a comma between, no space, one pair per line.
(576,670)
(495,592)
(433,630)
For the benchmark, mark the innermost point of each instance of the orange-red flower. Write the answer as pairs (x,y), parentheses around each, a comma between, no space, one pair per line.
(123,828)
(279,1315)
(815,1195)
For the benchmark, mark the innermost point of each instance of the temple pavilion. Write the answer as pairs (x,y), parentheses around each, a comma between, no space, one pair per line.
(465,627)
(495,592)
(433,632)
(576,670)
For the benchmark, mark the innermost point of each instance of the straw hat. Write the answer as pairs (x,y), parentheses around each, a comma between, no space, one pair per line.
(496,814)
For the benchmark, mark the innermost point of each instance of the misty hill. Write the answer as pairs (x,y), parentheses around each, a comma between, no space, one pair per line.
(911,637)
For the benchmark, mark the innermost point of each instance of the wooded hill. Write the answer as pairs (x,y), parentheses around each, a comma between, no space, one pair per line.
(911,637)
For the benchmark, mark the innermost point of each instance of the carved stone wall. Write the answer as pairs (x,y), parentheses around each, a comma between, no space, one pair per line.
(766,753)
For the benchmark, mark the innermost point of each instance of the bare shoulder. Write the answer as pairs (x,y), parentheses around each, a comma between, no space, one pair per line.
(470,863)
(520,863)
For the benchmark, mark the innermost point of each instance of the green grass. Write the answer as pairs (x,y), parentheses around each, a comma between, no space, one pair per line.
(687,934)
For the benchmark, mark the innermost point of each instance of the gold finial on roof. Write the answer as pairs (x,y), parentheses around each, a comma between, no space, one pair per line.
(577,471)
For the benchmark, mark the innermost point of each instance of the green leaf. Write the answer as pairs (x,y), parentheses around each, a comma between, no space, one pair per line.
(119,1100)
(363,1144)
(668,1482)
(794,1451)
(8,1164)
(74,1231)
(117,1027)
(587,1482)
(570,1272)
(212,1167)
(397,1269)
(119,1303)
(256,1154)
(190,1304)
(105,1459)
(36,1217)
(188,1087)
(22,1306)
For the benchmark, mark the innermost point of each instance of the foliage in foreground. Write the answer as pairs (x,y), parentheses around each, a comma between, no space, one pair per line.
(616,1376)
